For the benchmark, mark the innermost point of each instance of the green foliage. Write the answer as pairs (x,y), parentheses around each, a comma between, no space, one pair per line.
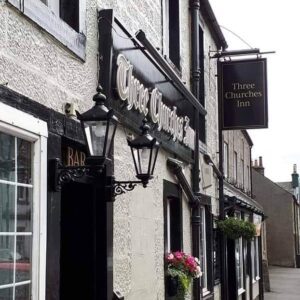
(235,228)
(184,282)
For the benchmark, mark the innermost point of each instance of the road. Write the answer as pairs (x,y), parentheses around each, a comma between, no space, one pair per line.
(285,284)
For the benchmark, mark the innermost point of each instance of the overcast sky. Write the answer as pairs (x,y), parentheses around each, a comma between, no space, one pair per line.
(271,26)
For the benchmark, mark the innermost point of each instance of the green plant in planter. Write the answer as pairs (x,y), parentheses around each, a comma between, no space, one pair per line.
(183,268)
(235,228)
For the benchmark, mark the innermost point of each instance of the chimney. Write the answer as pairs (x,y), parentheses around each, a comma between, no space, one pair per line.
(258,166)
(295,177)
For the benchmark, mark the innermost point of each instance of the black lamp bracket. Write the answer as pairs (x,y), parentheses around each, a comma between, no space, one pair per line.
(60,175)
(121,187)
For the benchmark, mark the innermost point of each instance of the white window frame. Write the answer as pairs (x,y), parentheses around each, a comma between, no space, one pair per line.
(241,289)
(168,226)
(235,167)
(225,159)
(165,28)
(243,172)
(25,126)
(205,290)
(47,16)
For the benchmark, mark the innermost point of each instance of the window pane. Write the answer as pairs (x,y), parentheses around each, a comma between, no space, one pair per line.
(7,157)
(23,292)
(6,260)
(239,262)
(24,161)
(23,258)
(24,209)
(69,12)
(7,208)
(6,294)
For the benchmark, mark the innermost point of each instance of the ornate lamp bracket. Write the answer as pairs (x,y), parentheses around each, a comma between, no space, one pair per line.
(121,187)
(61,174)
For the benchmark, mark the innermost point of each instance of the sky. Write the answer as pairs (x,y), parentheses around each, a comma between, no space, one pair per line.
(271,26)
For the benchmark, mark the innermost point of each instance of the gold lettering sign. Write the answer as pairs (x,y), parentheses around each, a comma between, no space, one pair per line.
(74,157)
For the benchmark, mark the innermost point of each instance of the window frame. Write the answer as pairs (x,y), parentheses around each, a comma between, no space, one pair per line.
(225,159)
(25,126)
(47,17)
(203,246)
(241,289)
(166,35)
(172,192)
(235,167)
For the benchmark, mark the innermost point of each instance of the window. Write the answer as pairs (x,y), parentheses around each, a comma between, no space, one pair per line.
(216,256)
(64,19)
(225,160)
(239,262)
(203,252)
(248,179)
(172,217)
(255,255)
(235,167)
(255,258)
(22,206)
(243,173)
(172,31)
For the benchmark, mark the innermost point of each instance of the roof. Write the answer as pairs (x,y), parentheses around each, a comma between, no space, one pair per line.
(286,185)
(213,24)
(275,184)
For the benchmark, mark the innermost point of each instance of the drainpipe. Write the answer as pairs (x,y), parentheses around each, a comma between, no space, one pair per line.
(223,247)
(195,79)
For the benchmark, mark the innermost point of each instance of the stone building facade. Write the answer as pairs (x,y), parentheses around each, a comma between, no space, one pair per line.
(76,238)
(50,57)
(244,258)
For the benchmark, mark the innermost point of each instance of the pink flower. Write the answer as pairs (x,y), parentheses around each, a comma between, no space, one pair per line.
(170,257)
(178,255)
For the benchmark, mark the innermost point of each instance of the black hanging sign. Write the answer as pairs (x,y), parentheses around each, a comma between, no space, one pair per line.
(243,94)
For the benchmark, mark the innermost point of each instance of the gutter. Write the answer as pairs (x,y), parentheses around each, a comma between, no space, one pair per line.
(213,24)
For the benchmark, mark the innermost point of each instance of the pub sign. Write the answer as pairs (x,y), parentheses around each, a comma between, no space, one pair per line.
(243,94)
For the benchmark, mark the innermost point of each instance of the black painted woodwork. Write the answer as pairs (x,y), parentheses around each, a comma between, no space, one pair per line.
(61,133)
(172,194)
(115,39)
(174,32)
(53,228)
(77,242)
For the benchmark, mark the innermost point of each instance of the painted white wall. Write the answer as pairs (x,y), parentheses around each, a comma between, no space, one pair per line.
(38,66)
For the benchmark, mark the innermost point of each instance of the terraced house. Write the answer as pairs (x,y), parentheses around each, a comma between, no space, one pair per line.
(92,213)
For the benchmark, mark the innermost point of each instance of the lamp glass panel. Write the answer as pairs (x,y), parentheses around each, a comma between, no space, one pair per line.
(110,135)
(144,159)
(95,134)
(153,159)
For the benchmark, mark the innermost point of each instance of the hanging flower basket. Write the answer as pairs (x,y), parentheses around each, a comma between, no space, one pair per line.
(235,228)
(181,269)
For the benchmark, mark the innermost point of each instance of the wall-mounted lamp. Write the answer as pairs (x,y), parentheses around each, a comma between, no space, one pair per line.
(99,126)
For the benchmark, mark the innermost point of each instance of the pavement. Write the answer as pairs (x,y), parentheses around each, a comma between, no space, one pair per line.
(285,284)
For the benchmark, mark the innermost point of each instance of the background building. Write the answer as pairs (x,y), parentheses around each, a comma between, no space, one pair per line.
(244,258)
(281,206)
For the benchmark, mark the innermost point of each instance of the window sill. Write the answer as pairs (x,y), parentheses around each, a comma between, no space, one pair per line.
(208,296)
(241,291)
(39,13)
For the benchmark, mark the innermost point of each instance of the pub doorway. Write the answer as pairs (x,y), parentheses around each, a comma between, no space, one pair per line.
(77,242)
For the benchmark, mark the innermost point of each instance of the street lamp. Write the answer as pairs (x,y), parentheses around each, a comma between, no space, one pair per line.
(144,149)
(99,126)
